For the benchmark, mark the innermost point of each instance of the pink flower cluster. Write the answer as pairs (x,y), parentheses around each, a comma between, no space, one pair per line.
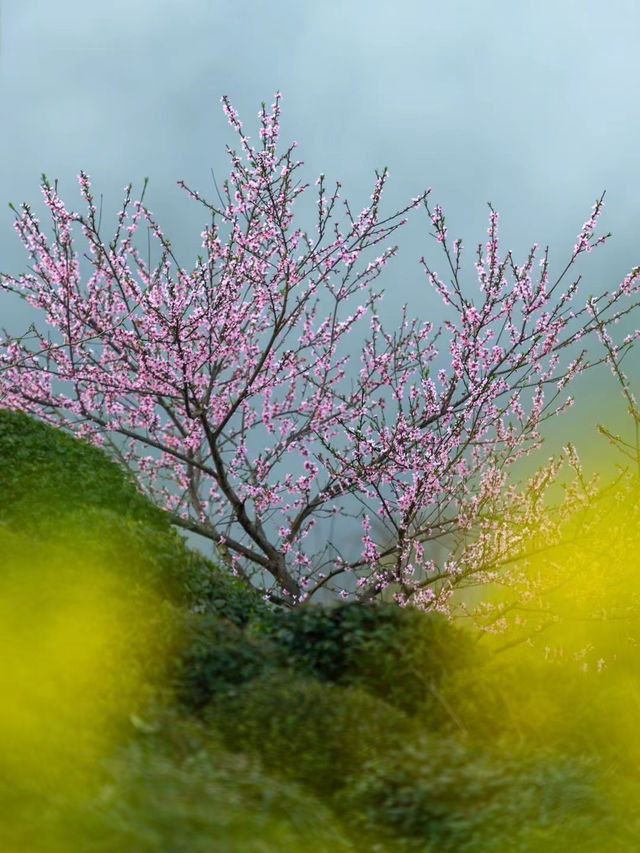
(214,384)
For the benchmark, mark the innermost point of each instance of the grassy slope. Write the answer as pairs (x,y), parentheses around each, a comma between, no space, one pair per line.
(234,728)
(171,785)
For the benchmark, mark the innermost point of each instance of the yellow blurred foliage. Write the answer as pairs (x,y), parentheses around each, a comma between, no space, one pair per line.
(576,598)
(74,641)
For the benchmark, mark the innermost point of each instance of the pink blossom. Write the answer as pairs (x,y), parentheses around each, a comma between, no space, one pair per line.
(229,390)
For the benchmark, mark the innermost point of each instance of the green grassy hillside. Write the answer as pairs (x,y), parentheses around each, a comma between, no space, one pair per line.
(153,703)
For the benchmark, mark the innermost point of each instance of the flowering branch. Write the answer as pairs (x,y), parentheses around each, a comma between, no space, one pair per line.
(213,385)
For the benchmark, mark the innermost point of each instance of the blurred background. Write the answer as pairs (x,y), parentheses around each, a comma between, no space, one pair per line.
(529,106)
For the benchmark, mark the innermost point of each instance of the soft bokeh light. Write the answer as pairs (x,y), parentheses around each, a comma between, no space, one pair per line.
(75,639)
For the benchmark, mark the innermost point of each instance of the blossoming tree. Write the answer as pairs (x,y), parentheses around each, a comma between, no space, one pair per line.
(212,384)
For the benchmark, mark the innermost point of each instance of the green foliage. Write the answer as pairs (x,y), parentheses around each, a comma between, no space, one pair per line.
(47,475)
(522,700)
(174,789)
(215,656)
(44,470)
(397,654)
(391,715)
(445,794)
(90,583)
(146,558)
(212,590)
(317,734)
(518,697)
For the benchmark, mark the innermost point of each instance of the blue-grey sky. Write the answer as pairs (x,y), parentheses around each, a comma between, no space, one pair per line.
(530,105)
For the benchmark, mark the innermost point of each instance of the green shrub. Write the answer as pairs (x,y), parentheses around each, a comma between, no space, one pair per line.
(94,568)
(443,794)
(173,790)
(148,558)
(398,654)
(216,656)
(53,485)
(521,699)
(45,470)
(212,589)
(317,734)
(203,635)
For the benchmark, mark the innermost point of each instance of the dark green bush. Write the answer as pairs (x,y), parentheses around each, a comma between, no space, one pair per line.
(317,734)
(212,589)
(443,794)
(215,656)
(398,654)
(198,614)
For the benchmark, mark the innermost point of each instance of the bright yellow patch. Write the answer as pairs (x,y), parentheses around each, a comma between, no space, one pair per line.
(71,637)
